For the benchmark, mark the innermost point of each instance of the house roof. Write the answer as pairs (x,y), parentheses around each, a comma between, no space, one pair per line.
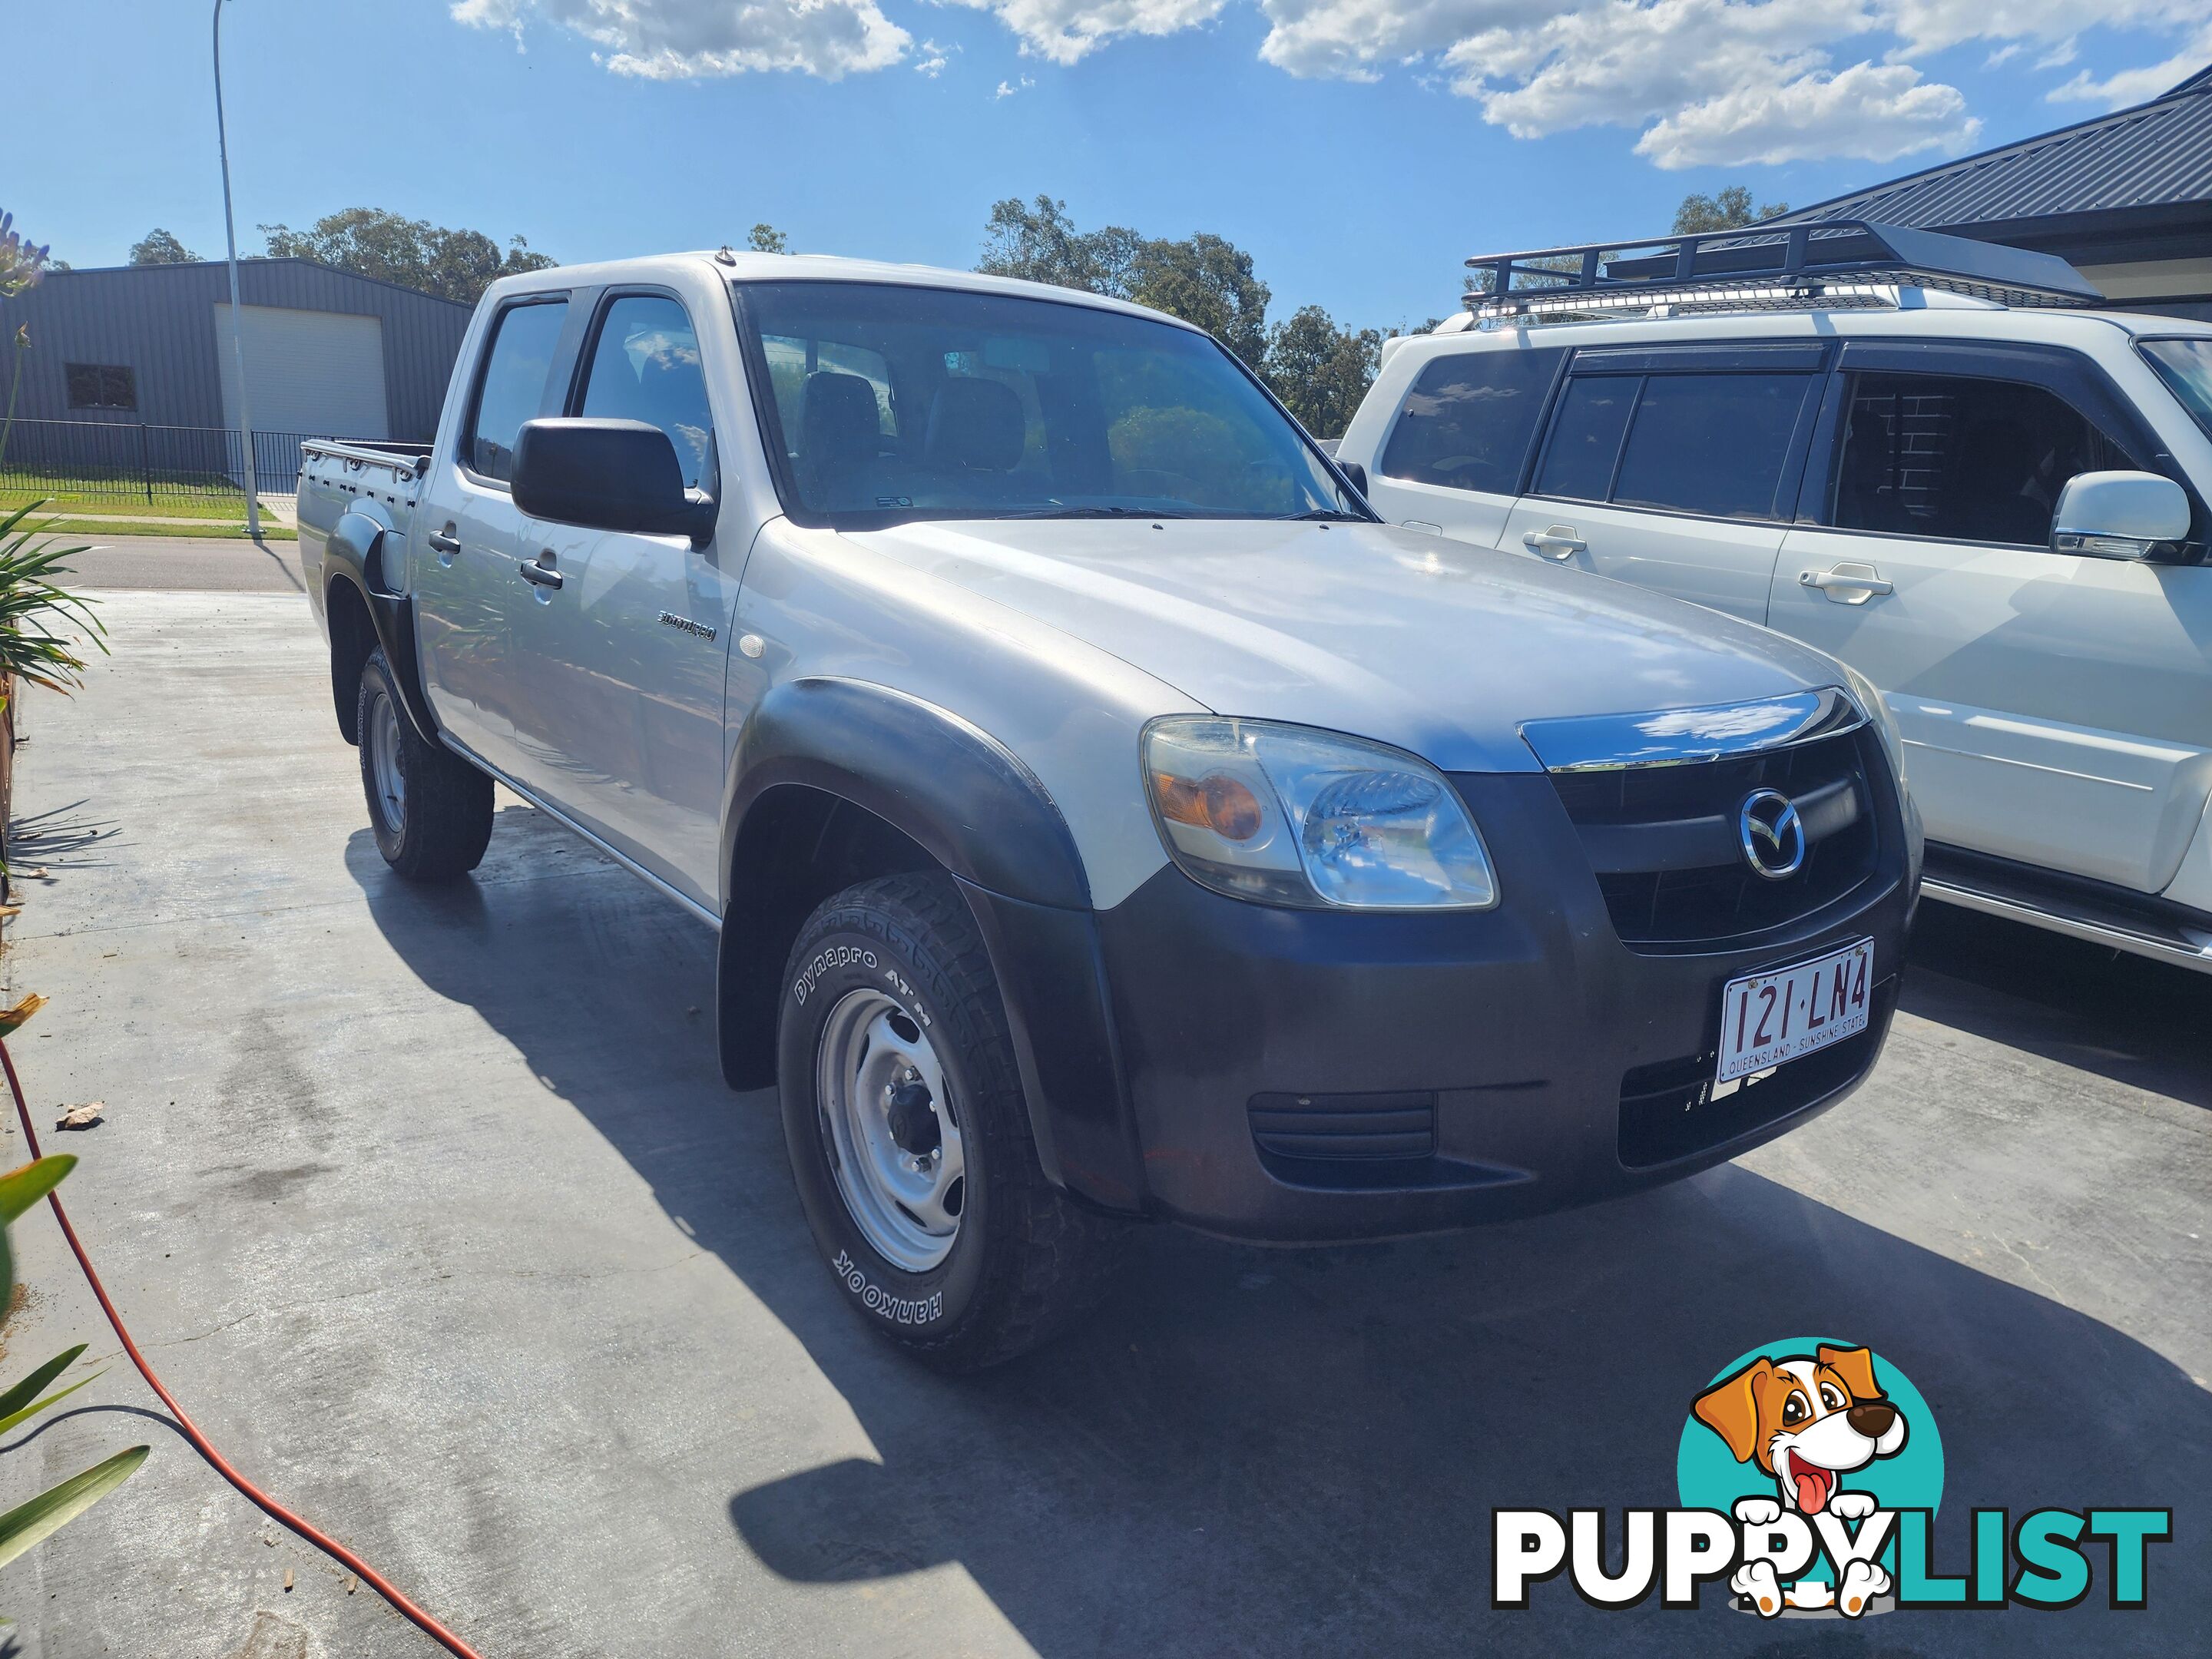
(2152,156)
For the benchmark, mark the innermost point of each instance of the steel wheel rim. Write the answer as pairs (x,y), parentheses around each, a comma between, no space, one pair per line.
(385,778)
(908,1207)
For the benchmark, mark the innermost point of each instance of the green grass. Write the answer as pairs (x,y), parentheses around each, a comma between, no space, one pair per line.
(226,508)
(97,529)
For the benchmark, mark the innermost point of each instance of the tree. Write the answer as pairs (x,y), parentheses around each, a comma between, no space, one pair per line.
(1320,371)
(1729,209)
(1207,281)
(160,248)
(455,265)
(766,239)
(1041,244)
(1203,279)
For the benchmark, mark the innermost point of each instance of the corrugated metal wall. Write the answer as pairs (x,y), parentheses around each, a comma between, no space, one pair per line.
(153,319)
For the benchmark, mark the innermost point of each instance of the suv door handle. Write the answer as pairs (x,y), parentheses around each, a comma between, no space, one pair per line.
(544,575)
(1847,584)
(443,544)
(1559,541)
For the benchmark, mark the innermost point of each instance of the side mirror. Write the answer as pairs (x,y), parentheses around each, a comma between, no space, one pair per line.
(608,475)
(1357,474)
(2118,515)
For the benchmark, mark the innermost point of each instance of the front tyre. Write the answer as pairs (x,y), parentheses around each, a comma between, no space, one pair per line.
(909,1135)
(431,811)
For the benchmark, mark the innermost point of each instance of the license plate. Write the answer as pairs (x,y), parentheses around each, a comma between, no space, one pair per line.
(1769,1018)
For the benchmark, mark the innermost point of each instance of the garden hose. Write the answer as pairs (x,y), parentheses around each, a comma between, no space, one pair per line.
(322,1541)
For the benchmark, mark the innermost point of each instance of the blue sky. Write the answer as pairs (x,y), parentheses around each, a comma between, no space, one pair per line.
(1358,149)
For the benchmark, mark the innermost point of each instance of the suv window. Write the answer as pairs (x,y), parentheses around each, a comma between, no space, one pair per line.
(1468,421)
(1967,459)
(646,368)
(512,390)
(1712,443)
(1695,443)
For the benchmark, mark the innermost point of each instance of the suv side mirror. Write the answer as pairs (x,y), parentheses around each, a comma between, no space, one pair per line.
(2118,515)
(1357,474)
(608,475)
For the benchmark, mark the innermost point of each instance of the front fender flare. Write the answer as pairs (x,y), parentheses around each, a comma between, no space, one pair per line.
(974,807)
(959,792)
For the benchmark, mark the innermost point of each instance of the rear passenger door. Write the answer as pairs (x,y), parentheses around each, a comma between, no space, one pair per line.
(2056,707)
(1454,458)
(1675,468)
(461,557)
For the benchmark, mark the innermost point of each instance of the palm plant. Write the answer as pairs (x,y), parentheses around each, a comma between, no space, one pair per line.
(31,604)
(27,1523)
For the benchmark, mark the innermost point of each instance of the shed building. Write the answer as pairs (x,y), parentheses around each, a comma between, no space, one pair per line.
(327,353)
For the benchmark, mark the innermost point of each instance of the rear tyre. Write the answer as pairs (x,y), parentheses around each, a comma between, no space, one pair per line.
(909,1135)
(431,811)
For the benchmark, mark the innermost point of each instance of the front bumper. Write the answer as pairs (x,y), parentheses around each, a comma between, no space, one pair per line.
(1309,1075)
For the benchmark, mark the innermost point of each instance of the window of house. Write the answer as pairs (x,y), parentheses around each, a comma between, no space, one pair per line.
(1963,459)
(1468,421)
(513,386)
(102,386)
(646,368)
(1712,443)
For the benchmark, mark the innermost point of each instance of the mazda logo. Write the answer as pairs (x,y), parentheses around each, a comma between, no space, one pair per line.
(1771,834)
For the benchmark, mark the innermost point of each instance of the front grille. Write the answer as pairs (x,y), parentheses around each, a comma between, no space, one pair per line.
(1662,841)
(1669,1110)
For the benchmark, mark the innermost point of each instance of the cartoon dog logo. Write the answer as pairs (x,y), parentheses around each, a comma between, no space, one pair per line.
(1807,1421)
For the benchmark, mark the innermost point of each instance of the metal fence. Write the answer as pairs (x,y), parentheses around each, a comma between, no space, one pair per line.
(125,462)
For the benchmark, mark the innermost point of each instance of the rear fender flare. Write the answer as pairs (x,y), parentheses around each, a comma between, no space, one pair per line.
(356,553)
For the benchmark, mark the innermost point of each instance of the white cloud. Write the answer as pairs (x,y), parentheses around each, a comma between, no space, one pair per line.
(1008,88)
(1066,30)
(1701,83)
(1355,40)
(684,39)
(1711,82)
(1871,112)
(2135,85)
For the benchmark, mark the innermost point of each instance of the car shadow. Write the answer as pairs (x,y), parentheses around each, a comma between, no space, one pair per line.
(1280,1452)
(2125,1018)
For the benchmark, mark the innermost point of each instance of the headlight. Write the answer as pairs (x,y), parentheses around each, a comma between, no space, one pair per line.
(1289,815)
(1884,723)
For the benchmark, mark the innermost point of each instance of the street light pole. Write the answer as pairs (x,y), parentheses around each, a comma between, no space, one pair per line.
(237,346)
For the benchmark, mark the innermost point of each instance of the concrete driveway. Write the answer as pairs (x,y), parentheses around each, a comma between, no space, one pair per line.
(432,1206)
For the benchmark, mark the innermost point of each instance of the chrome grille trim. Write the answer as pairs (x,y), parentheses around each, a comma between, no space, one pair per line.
(1689,736)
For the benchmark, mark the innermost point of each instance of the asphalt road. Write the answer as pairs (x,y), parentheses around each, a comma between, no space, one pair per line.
(432,1206)
(228,564)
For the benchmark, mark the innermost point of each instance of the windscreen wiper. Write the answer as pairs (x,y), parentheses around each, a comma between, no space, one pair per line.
(1326,515)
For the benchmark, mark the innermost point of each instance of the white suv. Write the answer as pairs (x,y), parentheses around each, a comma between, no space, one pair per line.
(1924,455)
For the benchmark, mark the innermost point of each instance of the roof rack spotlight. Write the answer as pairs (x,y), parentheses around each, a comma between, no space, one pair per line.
(1827,265)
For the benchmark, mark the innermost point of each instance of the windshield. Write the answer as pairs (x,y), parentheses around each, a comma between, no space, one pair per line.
(2185,366)
(892,403)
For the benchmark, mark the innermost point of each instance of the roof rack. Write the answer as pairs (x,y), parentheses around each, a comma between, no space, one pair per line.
(1850,262)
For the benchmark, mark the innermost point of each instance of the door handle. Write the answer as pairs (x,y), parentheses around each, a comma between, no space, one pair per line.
(1847,584)
(444,545)
(1559,541)
(540,570)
